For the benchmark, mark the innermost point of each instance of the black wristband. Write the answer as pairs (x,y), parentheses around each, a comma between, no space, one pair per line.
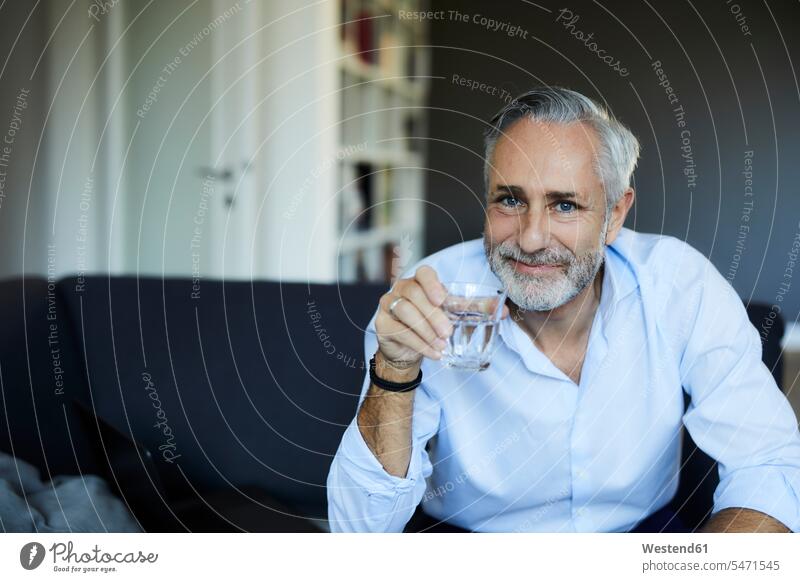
(392,386)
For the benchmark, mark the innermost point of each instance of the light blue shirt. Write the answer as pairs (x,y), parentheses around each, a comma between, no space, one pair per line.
(521,447)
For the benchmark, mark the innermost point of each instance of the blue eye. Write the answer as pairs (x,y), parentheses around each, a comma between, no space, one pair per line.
(504,198)
(566,207)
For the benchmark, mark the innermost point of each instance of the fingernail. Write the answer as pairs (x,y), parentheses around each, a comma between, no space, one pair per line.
(441,344)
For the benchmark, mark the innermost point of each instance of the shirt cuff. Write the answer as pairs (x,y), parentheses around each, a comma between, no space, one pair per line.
(768,489)
(365,469)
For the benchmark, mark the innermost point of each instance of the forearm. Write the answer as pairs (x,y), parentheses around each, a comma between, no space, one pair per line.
(740,520)
(377,478)
(385,419)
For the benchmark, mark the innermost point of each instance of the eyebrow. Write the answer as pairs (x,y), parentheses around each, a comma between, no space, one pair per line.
(518,191)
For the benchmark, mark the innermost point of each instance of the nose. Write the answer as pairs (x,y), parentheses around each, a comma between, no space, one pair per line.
(534,232)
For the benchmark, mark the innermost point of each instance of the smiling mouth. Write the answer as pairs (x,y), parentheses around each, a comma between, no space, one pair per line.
(526,268)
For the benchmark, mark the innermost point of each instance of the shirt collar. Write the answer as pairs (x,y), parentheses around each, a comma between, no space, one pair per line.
(619,280)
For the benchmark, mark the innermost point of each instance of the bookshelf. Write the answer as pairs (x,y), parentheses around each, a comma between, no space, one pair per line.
(383,81)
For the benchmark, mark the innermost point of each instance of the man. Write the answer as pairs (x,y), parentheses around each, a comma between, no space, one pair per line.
(575,426)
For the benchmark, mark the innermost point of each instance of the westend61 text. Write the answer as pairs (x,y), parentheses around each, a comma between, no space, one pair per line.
(672,549)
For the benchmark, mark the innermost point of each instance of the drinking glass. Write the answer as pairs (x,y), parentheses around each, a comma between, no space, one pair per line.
(474,309)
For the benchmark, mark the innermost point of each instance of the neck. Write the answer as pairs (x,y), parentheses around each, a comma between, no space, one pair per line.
(568,323)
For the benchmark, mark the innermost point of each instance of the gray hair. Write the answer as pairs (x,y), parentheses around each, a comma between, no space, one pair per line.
(619,148)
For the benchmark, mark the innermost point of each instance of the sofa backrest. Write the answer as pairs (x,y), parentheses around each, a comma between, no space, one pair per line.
(40,373)
(228,384)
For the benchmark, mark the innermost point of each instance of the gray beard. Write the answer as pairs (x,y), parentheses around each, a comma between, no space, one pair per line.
(549,291)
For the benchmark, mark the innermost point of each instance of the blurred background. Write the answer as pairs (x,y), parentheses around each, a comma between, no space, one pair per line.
(336,141)
(320,140)
(342,140)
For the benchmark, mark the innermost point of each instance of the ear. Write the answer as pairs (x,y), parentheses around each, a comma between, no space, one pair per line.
(619,213)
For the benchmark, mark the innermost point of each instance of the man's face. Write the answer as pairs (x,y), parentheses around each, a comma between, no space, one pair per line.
(546,225)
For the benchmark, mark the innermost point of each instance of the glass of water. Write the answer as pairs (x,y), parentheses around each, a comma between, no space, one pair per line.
(474,310)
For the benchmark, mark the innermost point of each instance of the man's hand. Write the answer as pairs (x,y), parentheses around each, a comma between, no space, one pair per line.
(418,327)
(740,520)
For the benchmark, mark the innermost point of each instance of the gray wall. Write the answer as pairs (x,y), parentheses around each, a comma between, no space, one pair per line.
(21,42)
(53,203)
(708,59)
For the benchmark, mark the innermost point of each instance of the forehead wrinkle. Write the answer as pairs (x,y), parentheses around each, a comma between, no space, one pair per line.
(547,164)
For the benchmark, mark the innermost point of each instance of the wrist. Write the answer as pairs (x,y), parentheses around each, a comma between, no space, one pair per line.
(395,371)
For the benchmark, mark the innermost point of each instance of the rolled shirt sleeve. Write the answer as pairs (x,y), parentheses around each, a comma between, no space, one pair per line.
(362,496)
(737,414)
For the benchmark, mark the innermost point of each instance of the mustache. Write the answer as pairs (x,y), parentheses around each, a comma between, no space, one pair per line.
(542,257)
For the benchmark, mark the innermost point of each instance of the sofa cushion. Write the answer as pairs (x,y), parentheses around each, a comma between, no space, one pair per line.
(40,373)
(228,384)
